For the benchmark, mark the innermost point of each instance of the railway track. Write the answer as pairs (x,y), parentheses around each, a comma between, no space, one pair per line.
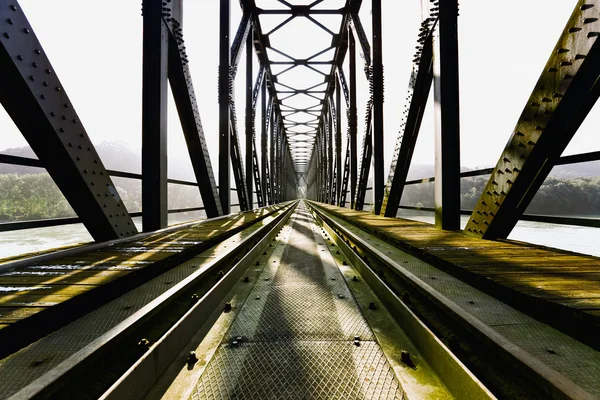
(89,350)
(293,274)
(513,354)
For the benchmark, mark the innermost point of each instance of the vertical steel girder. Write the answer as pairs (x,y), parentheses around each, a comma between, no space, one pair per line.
(237,162)
(338,143)
(265,155)
(257,180)
(256,168)
(33,96)
(418,93)
(378,171)
(345,179)
(189,115)
(272,167)
(353,121)
(564,94)
(225,86)
(330,172)
(367,147)
(263,140)
(249,121)
(154,116)
(447,122)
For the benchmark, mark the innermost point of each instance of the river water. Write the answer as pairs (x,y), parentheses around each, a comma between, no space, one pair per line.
(579,239)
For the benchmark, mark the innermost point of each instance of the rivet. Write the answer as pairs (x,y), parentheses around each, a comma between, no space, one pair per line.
(20,57)
(25,30)
(37,51)
(573,30)
(13,7)
(6,35)
(9,21)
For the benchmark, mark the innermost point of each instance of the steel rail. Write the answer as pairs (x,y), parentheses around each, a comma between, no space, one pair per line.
(461,382)
(140,378)
(161,353)
(554,383)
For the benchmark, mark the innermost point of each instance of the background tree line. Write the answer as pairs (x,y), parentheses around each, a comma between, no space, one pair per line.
(29,193)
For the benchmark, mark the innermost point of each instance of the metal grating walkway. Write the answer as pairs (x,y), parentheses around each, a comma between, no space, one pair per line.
(294,335)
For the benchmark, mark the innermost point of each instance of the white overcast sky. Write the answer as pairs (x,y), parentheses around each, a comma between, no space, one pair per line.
(95,48)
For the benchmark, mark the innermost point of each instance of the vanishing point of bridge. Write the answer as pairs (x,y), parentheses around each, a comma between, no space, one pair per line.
(301,294)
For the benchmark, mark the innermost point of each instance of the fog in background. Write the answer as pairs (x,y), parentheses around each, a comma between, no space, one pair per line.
(96,50)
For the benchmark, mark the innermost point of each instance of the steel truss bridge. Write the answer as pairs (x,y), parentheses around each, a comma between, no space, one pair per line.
(311,297)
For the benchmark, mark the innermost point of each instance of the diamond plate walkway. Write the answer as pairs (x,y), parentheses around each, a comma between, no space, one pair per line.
(294,337)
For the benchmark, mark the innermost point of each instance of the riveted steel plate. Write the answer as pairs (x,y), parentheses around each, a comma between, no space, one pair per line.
(299,370)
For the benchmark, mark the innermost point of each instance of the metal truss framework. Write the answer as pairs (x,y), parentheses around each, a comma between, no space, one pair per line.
(300,97)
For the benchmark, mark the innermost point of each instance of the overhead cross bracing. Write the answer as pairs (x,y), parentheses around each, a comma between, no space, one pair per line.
(301,43)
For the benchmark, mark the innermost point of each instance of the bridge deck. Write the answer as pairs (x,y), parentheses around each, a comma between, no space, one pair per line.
(56,291)
(558,286)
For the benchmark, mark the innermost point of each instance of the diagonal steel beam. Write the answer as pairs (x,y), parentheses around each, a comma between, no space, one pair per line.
(563,95)
(418,93)
(189,116)
(34,97)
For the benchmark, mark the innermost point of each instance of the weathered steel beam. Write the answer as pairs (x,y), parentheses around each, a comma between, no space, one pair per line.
(237,161)
(563,95)
(35,99)
(224,87)
(378,134)
(418,93)
(189,114)
(447,120)
(250,104)
(239,41)
(338,143)
(353,121)
(154,117)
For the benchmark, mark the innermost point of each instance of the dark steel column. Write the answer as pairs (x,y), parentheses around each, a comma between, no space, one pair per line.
(378,170)
(249,118)
(447,124)
(329,155)
(224,122)
(154,117)
(272,168)
(338,141)
(263,139)
(353,121)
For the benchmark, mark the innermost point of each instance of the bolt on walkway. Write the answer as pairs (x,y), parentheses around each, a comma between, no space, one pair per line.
(301,333)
